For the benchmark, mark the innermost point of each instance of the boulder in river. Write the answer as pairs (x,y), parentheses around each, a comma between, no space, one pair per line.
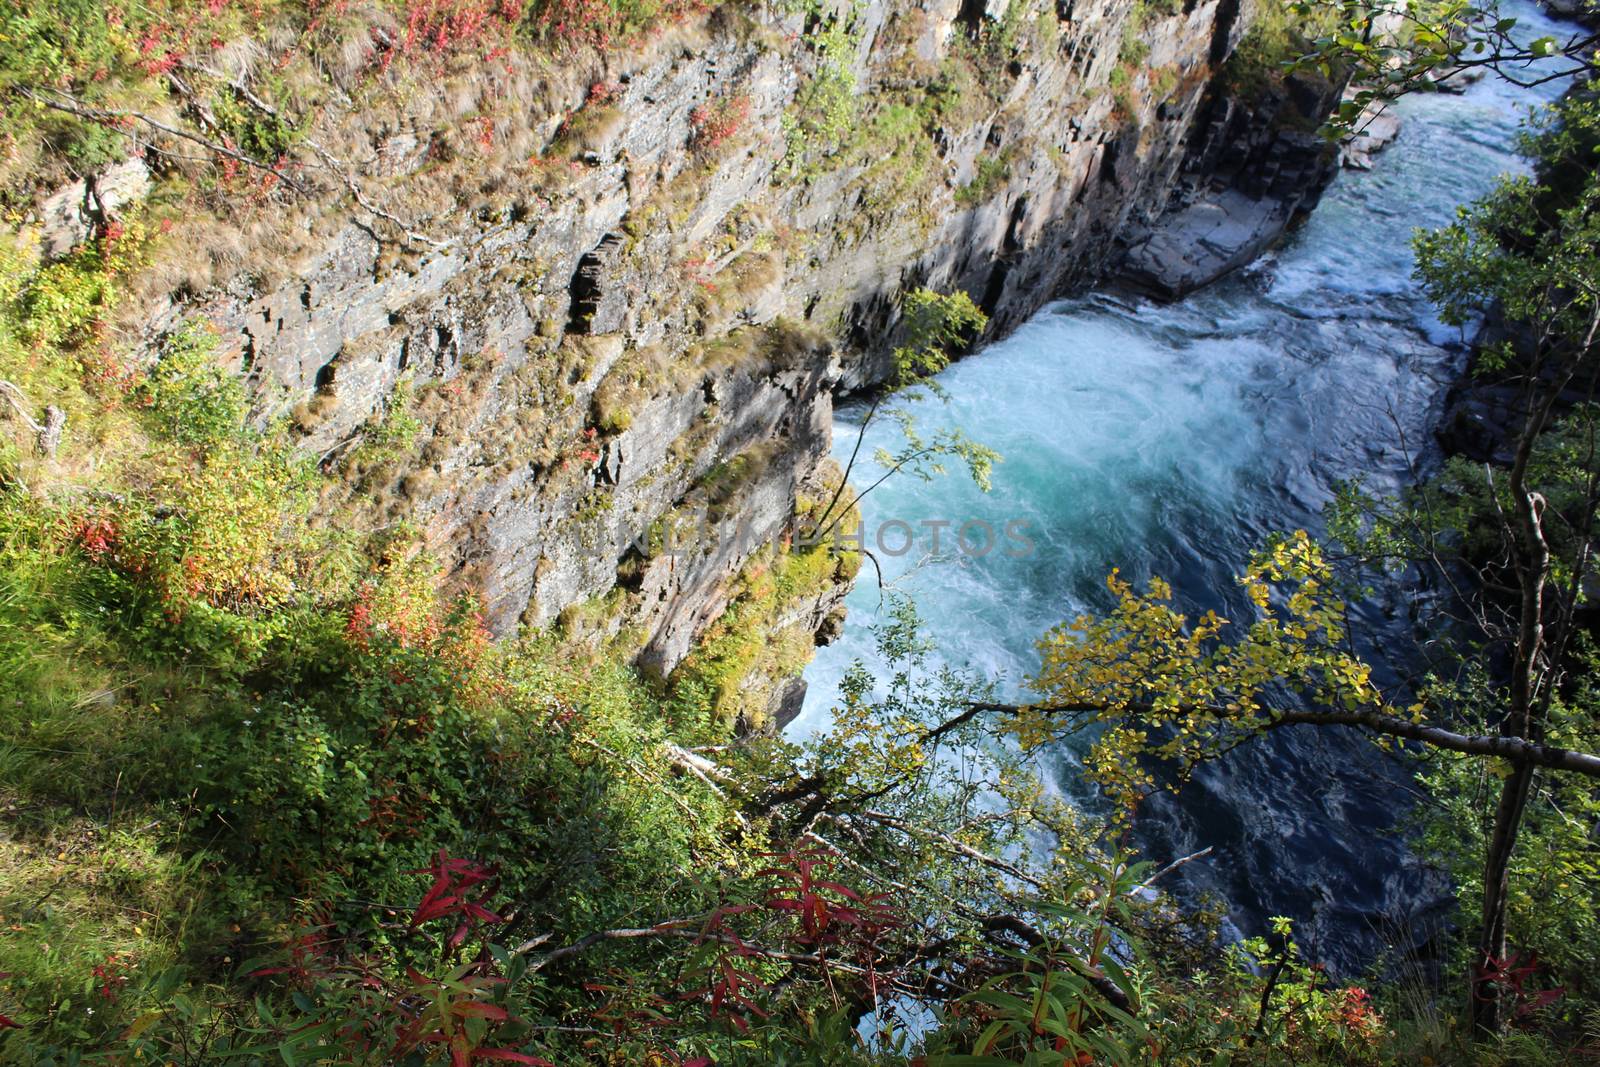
(1374,130)
(1204,241)
(1255,165)
(1583,11)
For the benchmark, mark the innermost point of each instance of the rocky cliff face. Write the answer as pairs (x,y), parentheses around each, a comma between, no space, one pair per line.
(1255,165)
(645,313)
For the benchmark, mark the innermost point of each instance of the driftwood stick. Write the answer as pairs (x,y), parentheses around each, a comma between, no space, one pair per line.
(1169,868)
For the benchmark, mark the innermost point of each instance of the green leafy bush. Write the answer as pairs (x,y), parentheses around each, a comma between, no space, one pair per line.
(936,327)
(192,399)
(822,120)
(991,174)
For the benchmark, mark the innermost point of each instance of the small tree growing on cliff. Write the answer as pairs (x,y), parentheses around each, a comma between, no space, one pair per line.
(935,328)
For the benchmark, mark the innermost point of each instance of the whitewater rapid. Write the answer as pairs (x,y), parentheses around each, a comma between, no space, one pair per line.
(1171,440)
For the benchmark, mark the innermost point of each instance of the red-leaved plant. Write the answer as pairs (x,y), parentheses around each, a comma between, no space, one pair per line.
(714,124)
(370,1003)
(1514,975)
(461,887)
(805,918)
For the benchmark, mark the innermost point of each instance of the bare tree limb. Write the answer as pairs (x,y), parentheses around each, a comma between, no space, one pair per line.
(60,101)
(1514,749)
(1169,868)
(46,436)
(961,848)
(329,160)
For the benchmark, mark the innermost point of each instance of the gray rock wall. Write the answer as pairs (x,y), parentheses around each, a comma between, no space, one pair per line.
(1254,167)
(651,319)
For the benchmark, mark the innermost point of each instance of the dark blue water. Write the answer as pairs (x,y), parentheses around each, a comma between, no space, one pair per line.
(1172,440)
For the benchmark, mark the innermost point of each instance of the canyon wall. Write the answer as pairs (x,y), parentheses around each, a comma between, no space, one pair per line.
(646,313)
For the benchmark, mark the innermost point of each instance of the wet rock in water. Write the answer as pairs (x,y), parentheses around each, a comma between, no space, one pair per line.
(1456,82)
(1577,10)
(1374,130)
(1479,422)
(1204,241)
(1254,167)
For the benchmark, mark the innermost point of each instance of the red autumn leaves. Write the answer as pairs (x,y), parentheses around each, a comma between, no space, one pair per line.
(461,888)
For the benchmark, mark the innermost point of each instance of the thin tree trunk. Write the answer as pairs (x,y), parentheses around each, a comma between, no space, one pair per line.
(1525,721)
(1486,1008)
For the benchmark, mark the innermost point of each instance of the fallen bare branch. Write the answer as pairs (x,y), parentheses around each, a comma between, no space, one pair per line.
(59,101)
(46,436)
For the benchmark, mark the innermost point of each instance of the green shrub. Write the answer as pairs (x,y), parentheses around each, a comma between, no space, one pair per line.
(935,327)
(822,120)
(991,174)
(257,134)
(1133,52)
(1121,85)
(1280,33)
(391,433)
(900,155)
(191,399)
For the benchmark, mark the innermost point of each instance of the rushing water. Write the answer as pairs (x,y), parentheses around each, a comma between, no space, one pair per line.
(1172,440)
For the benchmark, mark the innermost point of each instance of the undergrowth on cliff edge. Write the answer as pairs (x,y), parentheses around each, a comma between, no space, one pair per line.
(220,96)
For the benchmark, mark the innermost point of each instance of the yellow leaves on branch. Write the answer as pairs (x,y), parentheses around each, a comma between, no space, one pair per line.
(1148,681)
(867,746)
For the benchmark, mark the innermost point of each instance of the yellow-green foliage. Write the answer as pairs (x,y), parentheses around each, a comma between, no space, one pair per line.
(822,120)
(53,322)
(1157,678)
(1165,81)
(1279,33)
(740,656)
(388,437)
(1121,84)
(901,158)
(1134,49)
(936,325)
